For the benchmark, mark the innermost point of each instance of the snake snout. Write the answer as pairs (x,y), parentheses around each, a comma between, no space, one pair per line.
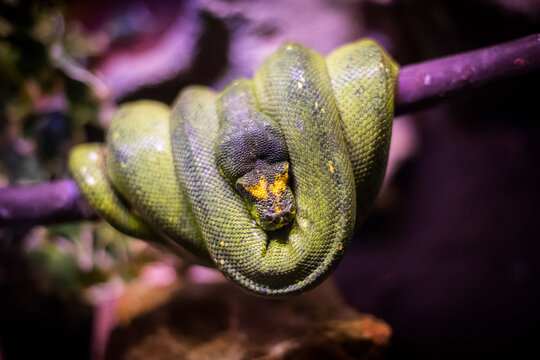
(276,220)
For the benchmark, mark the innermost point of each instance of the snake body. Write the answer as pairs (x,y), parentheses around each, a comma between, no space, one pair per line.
(263,180)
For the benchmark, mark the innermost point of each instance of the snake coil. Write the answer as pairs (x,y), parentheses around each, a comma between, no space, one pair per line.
(264,180)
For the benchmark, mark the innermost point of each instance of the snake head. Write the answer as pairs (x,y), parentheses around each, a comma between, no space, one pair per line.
(252,156)
(268,195)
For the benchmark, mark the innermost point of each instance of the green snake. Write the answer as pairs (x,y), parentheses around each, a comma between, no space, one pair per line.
(264,180)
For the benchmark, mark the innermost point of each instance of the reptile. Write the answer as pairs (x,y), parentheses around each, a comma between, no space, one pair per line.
(264,180)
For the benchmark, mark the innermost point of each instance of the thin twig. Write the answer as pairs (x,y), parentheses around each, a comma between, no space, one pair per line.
(419,86)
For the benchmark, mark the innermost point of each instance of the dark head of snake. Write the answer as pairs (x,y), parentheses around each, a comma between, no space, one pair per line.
(252,156)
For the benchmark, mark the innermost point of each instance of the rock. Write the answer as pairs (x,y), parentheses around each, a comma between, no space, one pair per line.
(221,321)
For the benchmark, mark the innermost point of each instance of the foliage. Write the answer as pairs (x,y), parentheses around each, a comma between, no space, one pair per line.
(49,100)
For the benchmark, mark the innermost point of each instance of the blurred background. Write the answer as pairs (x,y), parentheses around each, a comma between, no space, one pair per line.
(448,257)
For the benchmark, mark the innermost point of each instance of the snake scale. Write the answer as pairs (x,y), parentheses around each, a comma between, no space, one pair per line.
(264,180)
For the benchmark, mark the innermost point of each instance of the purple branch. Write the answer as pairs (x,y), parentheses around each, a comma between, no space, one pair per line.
(428,83)
(47,203)
(419,86)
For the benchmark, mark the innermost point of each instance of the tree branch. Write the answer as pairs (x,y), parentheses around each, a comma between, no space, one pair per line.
(419,86)
(431,82)
(48,203)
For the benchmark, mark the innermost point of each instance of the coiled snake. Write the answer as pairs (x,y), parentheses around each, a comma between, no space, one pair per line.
(263,180)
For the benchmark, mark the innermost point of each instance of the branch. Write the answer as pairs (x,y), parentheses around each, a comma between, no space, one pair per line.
(47,203)
(431,82)
(419,86)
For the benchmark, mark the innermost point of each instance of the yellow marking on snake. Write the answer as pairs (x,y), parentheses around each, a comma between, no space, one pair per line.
(279,185)
(259,190)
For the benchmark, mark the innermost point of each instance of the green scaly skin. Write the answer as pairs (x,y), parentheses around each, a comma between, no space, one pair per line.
(264,180)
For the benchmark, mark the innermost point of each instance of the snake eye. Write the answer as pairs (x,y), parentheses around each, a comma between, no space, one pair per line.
(241,190)
(285,168)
